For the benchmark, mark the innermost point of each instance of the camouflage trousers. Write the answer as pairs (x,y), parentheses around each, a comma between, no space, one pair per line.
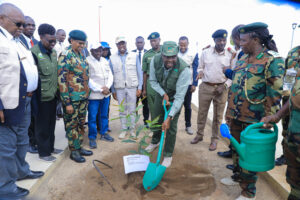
(74,124)
(291,150)
(285,120)
(247,179)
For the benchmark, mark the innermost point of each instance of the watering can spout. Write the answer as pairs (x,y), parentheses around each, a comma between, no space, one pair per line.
(240,148)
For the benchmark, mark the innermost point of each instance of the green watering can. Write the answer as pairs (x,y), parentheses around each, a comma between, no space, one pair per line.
(155,171)
(257,148)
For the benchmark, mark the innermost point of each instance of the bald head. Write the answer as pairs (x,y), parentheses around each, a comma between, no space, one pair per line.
(11,19)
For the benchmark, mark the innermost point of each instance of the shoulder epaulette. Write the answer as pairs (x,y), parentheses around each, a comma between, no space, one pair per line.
(206,47)
(274,54)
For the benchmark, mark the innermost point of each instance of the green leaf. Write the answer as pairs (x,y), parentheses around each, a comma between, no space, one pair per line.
(144,152)
(138,130)
(143,143)
(114,118)
(139,107)
(133,152)
(137,118)
(129,141)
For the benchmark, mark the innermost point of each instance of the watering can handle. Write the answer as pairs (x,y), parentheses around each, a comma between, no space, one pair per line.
(167,111)
(258,125)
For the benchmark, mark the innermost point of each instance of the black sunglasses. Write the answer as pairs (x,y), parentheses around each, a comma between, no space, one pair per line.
(51,41)
(18,24)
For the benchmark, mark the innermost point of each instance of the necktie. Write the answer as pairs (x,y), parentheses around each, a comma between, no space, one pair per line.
(31,42)
(140,54)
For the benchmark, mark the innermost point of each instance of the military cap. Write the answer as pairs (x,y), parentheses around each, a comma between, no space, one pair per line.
(77,35)
(170,48)
(252,27)
(120,39)
(221,33)
(105,45)
(153,35)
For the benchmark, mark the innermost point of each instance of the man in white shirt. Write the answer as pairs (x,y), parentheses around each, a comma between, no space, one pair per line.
(100,81)
(214,86)
(140,43)
(127,84)
(18,79)
(60,45)
(191,59)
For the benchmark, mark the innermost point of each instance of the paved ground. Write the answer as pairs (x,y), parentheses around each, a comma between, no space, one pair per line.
(70,180)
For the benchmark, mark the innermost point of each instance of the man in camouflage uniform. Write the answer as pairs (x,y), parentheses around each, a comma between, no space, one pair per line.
(147,89)
(291,141)
(255,92)
(292,61)
(73,77)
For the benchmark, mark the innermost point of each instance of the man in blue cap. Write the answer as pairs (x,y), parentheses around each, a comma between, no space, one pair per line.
(214,86)
(169,77)
(147,89)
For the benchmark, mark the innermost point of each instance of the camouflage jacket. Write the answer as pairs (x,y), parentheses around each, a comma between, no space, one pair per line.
(256,88)
(292,60)
(73,77)
(294,125)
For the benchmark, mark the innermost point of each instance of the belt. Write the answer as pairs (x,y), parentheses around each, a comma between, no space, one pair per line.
(29,94)
(213,84)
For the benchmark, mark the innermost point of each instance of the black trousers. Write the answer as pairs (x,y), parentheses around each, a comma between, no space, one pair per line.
(45,127)
(31,134)
(145,108)
(187,107)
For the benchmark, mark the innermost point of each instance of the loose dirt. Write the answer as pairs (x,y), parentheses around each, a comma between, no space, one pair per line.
(195,173)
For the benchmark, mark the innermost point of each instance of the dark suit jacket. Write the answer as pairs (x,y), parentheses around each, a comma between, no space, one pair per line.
(23,40)
(137,50)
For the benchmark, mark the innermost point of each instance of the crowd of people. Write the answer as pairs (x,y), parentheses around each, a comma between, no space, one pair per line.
(42,81)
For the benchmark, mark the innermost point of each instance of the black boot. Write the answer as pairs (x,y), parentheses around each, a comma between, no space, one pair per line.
(280,161)
(226,154)
(75,155)
(85,152)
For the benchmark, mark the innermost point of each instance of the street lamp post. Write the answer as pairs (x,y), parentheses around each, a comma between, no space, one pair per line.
(99,23)
(294,25)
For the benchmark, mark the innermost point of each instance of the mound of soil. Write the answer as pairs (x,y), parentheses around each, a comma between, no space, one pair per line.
(186,179)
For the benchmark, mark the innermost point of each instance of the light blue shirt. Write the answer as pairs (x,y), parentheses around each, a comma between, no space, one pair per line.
(181,86)
(138,70)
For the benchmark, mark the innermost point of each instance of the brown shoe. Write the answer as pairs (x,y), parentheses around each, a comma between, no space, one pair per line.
(213,146)
(197,139)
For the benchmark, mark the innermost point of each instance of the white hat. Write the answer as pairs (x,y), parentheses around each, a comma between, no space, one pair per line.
(120,39)
(95,45)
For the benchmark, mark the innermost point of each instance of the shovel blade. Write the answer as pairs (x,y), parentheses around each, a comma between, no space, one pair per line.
(153,176)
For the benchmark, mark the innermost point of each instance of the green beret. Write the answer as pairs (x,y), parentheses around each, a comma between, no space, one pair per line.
(77,35)
(153,35)
(221,33)
(170,48)
(252,27)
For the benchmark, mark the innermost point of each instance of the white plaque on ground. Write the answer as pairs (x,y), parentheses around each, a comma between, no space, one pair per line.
(135,163)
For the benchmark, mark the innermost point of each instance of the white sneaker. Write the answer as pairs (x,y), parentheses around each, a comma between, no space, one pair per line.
(241,197)
(229,182)
(167,162)
(122,135)
(189,130)
(151,147)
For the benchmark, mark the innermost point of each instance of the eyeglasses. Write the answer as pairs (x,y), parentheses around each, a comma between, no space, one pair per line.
(26,25)
(51,41)
(18,24)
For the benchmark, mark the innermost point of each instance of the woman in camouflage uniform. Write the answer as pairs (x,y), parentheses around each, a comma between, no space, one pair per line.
(255,93)
(291,141)
(73,77)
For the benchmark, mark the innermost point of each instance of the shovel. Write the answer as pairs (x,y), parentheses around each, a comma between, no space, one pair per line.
(155,171)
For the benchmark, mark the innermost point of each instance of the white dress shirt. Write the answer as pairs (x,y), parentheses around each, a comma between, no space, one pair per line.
(100,76)
(59,47)
(211,63)
(29,66)
(28,41)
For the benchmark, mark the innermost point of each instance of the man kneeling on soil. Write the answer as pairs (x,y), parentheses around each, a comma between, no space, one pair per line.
(169,77)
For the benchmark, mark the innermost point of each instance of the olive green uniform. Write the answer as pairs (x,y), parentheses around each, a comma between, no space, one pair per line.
(146,69)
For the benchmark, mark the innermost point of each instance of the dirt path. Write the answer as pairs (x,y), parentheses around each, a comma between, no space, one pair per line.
(194,174)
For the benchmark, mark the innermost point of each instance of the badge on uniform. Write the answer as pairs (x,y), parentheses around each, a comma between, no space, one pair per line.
(40,55)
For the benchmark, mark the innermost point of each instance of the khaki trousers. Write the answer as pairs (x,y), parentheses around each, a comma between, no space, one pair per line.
(206,96)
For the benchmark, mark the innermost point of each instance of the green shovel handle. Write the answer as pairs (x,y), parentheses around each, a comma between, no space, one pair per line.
(163,133)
